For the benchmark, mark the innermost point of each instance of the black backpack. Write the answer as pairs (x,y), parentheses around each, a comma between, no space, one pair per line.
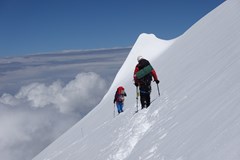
(146,80)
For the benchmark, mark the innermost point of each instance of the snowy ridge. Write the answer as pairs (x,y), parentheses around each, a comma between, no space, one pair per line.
(197,115)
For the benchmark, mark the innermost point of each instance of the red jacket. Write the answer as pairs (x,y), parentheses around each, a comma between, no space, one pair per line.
(119,95)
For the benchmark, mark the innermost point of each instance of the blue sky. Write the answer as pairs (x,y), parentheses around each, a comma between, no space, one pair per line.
(32,26)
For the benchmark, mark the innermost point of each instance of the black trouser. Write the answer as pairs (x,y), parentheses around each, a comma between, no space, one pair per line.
(145,91)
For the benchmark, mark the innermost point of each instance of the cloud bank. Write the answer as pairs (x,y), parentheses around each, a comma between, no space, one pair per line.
(39,113)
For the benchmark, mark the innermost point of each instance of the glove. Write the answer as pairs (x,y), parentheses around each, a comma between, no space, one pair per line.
(136,84)
(114,101)
(157,81)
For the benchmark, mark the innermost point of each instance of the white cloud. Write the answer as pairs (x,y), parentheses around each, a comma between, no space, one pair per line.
(39,113)
(84,91)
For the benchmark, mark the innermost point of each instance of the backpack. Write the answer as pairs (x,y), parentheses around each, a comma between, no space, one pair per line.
(120,93)
(144,74)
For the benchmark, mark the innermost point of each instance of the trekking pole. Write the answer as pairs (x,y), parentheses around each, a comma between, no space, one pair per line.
(113,110)
(137,95)
(158,90)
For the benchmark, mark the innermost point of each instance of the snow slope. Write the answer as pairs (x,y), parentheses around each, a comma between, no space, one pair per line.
(197,116)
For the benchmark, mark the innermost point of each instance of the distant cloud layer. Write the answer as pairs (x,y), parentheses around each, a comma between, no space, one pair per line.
(38,113)
(42,95)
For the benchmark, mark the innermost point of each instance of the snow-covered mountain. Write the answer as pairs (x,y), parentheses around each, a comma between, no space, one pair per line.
(197,116)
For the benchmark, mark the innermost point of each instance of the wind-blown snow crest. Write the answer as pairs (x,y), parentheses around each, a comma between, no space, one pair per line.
(148,46)
(197,115)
